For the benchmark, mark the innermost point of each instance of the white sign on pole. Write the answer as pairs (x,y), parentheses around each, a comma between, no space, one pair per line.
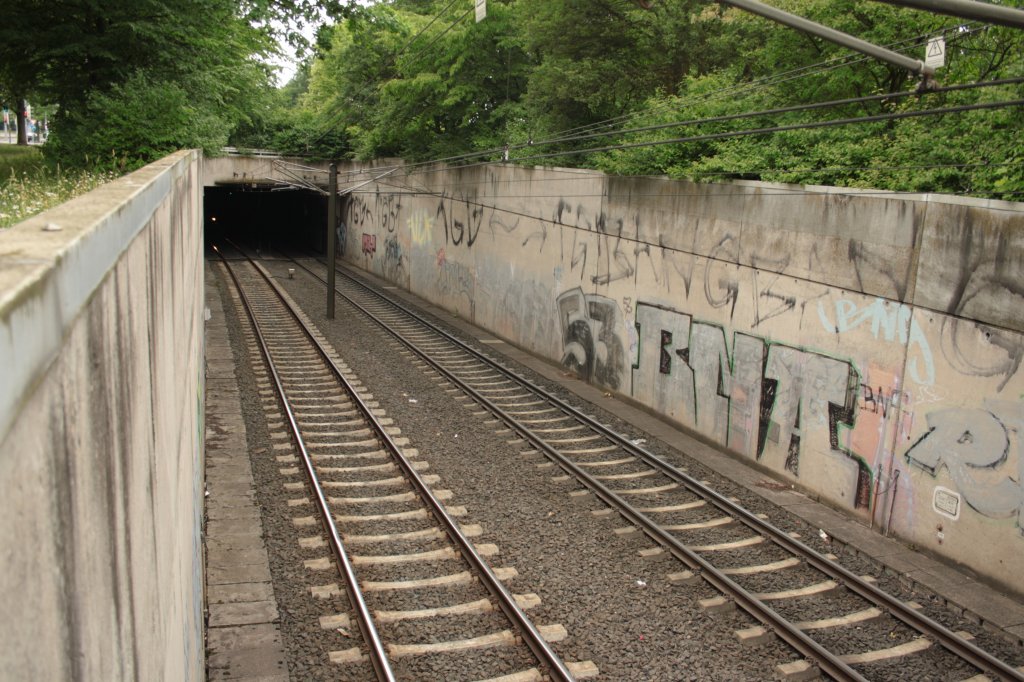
(935,53)
(481,10)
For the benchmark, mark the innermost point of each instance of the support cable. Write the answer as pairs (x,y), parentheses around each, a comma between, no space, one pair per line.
(778,129)
(729,117)
(982,11)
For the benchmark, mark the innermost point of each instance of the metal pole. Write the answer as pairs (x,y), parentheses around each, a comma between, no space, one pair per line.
(332,223)
(968,9)
(832,35)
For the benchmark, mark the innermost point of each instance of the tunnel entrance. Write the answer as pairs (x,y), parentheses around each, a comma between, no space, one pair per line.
(266,216)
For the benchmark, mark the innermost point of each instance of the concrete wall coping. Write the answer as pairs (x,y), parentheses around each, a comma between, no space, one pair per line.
(52,263)
(852,192)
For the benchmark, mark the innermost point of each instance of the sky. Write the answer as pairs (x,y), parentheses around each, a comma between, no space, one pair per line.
(286,62)
(286,67)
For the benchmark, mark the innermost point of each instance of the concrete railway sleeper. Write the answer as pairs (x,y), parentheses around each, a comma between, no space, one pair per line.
(769,573)
(392,538)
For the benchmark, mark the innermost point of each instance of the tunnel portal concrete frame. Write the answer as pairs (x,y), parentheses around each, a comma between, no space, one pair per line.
(101,433)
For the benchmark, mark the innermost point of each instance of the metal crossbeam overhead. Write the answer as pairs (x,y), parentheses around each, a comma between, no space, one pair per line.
(967,9)
(832,35)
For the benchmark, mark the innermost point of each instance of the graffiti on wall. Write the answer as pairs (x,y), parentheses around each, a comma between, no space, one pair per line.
(369,244)
(340,235)
(366,215)
(979,350)
(456,280)
(874,264)
(888,321)
(360,214)
(461,221)
(525,312)
(387,208)
(590,342)
(420,224)
(394,260)
(982,451)
(792,408)
(983,285)
(788,407)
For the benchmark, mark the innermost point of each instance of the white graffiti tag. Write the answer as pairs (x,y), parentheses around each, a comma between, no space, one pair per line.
(894,322)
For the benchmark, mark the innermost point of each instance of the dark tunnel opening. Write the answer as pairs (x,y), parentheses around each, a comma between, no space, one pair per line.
(265,217)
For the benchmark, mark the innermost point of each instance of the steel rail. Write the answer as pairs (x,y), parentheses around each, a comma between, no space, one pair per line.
(918,621)
(378,656)
(827,661)
(506,601)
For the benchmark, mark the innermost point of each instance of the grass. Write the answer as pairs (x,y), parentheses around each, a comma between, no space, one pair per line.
(28,186)
(18,160)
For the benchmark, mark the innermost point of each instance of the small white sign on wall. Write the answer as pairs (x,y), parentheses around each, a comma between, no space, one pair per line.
(946,502)
(481,10)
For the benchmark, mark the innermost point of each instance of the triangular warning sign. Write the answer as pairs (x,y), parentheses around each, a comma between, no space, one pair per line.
(935,53)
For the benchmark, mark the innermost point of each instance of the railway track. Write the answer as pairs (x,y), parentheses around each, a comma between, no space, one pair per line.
(423,597)
(838,623)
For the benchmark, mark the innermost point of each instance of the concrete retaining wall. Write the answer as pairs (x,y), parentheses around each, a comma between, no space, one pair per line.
(101,335)
(864,346)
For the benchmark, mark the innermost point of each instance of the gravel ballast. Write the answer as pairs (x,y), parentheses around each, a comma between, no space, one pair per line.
(620,610)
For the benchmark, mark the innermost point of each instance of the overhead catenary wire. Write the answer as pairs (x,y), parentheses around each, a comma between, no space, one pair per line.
(411,168)
(575,174)
(784,128)
(730,90)
(289,185)
(297,178)
(833,169)
(790,109)
(731,117)
(832,35)
(330,126)
(291,164)
(959,32)
(394,58)
(985,11)
(423,50)
(423,30)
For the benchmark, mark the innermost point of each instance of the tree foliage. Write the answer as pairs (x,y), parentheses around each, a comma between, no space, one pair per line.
(135,79)
(563,82)
(568,76)
(975,152)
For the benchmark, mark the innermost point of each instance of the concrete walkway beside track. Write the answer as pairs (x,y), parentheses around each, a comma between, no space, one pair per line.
(243,641)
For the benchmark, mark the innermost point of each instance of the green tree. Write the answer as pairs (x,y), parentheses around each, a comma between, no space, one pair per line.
(396,82)
(17,82)
(969,152)
(602,59)
(115,68)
